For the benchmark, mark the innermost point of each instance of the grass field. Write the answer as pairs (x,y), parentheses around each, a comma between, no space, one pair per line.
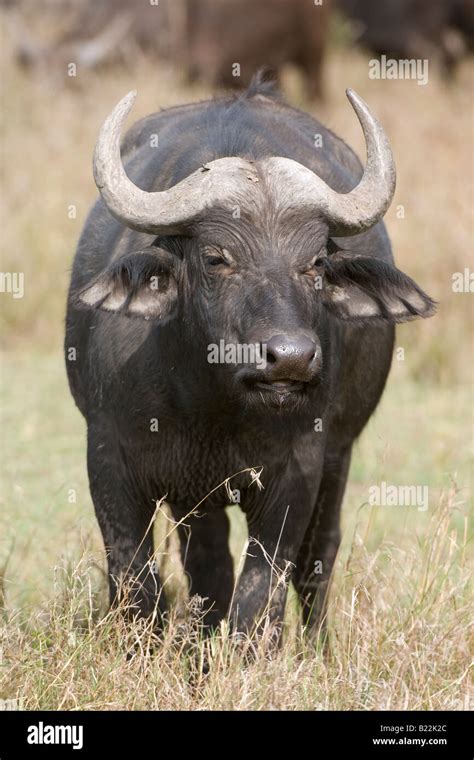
(399,617)
(400,609)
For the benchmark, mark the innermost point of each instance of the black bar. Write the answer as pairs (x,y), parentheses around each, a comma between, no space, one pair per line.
(370,734)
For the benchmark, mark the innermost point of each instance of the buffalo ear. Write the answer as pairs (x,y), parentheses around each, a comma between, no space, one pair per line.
(363,288)
(140,284)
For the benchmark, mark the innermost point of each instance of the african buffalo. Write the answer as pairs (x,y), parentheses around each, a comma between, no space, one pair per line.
(221,42)
(440,30)
(226,41)
(236,222)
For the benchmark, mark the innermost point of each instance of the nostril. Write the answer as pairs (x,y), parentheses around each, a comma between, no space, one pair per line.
(290,352)
(266,353)
(275,349)
(271,358)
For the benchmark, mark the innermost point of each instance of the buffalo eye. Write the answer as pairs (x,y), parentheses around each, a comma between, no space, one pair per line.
(313,268)
(215,261)
(218,258)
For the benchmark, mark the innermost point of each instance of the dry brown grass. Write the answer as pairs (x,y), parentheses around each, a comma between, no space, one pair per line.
(399,640)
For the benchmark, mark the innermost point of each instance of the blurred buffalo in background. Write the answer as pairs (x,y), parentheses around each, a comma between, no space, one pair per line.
(223,35)
(440,30)
(220,42)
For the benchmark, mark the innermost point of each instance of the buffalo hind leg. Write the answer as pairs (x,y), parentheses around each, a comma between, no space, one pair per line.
(124,517)
(205,553)
(315,561)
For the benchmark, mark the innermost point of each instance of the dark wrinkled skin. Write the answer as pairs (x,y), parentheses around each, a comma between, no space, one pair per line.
(211,426)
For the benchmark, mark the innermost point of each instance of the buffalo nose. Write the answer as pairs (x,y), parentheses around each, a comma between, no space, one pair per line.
(292,357)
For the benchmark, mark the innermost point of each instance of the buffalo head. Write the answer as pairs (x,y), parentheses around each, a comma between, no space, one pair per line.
(245,255)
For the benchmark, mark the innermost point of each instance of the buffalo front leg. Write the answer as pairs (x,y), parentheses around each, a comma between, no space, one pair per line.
(125,518)
(315,561)
(207,562)
(276,529)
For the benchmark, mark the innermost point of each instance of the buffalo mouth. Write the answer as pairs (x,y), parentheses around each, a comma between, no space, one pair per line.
(290,393)
(281,394)
(280,386)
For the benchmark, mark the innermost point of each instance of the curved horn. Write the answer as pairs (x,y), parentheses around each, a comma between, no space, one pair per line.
(168,211)
(361,208)
(367,203)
